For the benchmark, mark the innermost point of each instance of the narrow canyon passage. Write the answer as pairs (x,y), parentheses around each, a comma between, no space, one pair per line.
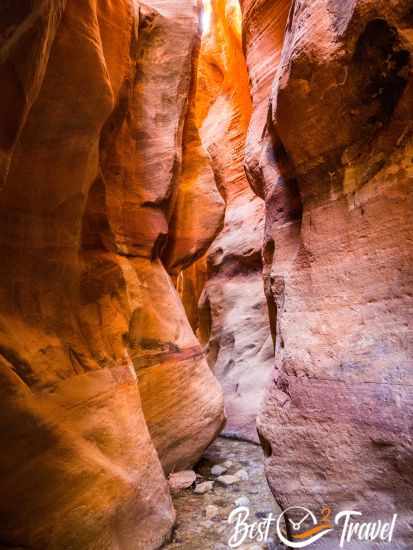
(207,272)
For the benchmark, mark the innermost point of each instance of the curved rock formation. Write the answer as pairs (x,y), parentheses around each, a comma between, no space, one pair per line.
(101,372)
(333,161)
(122,188)
(232,320)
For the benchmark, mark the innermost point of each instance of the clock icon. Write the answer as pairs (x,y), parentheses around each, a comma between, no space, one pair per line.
(303,513)
(303,535)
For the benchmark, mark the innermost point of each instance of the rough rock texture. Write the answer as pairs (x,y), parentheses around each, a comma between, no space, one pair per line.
(100,370)
(233,320)
(334,164)
(264,24)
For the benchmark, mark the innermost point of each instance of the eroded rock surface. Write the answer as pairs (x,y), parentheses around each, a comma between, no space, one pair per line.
(116,126)
(101,372)
(333,161)
(233,320)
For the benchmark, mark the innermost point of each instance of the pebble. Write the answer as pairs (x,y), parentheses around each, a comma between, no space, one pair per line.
(181,480)
(228,480)
(204,487)
(211,511)
(227,464)
(218,470)
(242,475)
(242,501)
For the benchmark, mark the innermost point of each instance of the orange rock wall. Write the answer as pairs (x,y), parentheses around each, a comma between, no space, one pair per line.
(232,320)
(104,385)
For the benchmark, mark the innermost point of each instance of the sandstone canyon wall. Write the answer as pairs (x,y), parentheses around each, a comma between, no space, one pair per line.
(104,387)
(123,143)
(330,150)
(226,284)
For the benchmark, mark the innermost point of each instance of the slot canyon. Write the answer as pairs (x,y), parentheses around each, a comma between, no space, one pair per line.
(206,225)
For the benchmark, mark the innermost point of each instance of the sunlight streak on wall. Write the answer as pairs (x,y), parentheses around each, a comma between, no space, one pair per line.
(206,16)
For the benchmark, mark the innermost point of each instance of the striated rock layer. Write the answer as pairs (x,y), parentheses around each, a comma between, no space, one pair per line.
(103,382)
(232,319)
(332,156)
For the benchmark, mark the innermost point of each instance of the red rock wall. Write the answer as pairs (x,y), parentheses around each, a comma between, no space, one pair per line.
(101,372)
(333,161)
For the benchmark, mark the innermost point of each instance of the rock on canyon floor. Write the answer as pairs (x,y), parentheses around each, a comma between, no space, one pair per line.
(202,518)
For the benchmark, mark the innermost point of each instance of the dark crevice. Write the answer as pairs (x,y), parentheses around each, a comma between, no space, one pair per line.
(159,246)
(265,444)
(284,199)
(21,367)
(381,70)
(268,251)
(205,326)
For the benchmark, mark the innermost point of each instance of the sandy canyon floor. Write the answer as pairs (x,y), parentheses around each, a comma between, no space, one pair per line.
(202,519)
